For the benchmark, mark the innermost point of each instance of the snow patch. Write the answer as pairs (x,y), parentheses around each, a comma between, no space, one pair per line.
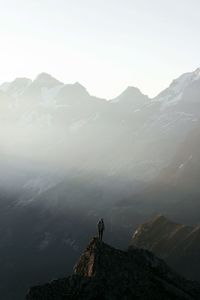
(173,94)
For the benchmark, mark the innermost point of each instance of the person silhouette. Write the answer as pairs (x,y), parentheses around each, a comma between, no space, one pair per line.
(101,228)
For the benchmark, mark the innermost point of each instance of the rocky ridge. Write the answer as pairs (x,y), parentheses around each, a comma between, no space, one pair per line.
(103,272)
(176,243)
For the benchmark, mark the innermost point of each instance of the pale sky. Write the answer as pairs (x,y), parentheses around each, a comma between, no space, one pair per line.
(106,45)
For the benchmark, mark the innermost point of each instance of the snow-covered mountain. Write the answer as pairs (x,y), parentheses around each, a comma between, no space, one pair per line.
(131,133)
(179,88)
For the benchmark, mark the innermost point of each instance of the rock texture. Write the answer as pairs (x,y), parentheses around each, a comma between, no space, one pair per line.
(103,272)
(177,244)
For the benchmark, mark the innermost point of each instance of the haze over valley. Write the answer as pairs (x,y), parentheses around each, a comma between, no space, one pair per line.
(68,158)
(99,156)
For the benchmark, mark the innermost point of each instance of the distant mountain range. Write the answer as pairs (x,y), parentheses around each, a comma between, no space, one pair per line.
(104,272)
(68,158)
(177,244)
(47,121)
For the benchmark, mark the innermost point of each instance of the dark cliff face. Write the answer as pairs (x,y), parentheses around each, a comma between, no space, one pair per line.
(103,272)
(177,244)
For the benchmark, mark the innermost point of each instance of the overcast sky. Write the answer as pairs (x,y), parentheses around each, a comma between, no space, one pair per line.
(106,45)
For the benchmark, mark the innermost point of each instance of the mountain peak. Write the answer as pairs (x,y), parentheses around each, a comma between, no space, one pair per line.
(173,94)
(79,87)
(131,97)
(104,272)
(87,265)
(156,222)
(177,243)
(46,79)
(197,71)
(78,84)
(73,93)
(44,76)
(131,91)
(16,87)
(22,80)
(160,218)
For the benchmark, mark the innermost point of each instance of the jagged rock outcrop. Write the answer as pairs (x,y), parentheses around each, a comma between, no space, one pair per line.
(103,272)
(177,244)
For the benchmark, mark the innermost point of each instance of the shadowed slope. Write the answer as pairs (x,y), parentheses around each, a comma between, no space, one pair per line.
(177,243)
(103,272)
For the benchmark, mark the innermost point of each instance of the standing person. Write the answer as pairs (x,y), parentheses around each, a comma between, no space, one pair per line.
(100,227)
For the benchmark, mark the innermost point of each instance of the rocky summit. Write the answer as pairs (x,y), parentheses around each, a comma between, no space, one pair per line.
(106,273)
(176,243)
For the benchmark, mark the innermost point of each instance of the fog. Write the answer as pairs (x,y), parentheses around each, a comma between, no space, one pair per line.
(56,131)
(69,158)
(87,144)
